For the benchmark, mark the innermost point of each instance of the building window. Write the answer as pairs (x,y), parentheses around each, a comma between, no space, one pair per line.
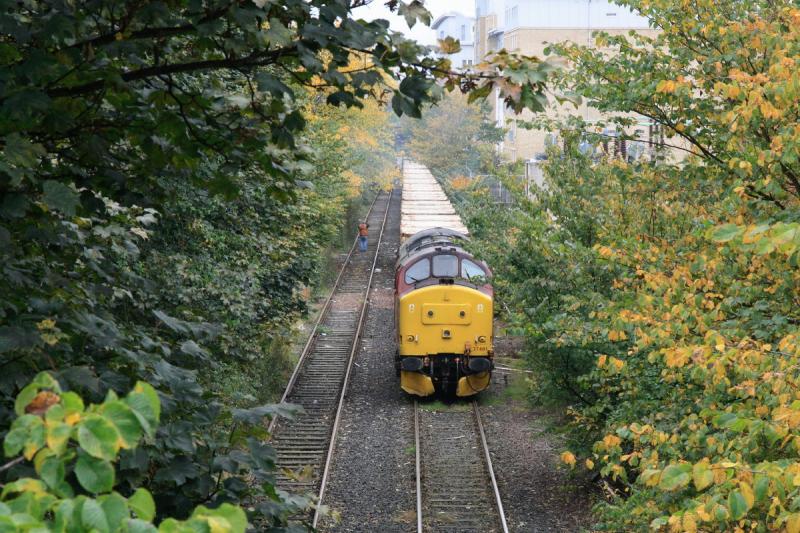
(463,32)
(512,16)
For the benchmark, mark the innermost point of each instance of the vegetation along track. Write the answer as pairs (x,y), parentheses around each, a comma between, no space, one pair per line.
(304,444)
(456,486)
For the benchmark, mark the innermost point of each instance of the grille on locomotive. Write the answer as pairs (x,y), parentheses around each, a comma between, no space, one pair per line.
(443,314)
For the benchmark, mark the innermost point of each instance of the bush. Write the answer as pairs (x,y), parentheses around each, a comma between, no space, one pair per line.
(72,448)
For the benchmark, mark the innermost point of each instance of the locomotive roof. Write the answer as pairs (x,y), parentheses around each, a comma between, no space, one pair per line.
(431,237)
(430,242)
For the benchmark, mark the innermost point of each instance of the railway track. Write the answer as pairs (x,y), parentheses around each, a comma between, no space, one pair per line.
(456,486)
(304,444)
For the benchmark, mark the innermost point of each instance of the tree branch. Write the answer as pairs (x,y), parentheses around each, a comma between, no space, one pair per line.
(177,68)
(152,33)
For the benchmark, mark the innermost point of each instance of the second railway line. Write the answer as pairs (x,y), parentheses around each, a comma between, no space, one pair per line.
(304,444)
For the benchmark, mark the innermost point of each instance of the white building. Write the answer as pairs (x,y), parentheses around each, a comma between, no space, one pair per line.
(461,27)
(527,26)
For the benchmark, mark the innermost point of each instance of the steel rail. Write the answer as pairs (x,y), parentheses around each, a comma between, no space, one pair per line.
(320,316)
(490,468)
(418,467)
(353,350)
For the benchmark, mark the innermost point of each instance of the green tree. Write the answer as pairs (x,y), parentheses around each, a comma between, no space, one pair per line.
(681,283)
(455,137)
(160,206)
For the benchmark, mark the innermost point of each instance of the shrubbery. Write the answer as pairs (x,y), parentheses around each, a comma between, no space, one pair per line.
(72,448)
(659,297)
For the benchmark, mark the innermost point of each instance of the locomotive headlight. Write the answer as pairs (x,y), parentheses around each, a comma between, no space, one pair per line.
(410,338)
(481,339)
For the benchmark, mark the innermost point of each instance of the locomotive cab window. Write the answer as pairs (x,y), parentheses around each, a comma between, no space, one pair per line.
(418,271)
(445,266)
(471,271)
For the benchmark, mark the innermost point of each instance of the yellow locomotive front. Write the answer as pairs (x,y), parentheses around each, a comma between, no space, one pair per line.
(443,314)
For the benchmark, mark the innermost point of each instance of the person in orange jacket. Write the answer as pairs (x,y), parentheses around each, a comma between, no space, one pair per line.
(363,236)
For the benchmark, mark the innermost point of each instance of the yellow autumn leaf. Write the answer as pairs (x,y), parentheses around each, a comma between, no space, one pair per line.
(218,524)
(568,458)
(46,324)
(702,475)
(665,86)
(793,523)
(605,251)
(689,523)
(747,492)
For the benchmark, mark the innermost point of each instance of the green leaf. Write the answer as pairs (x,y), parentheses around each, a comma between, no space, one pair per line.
(737,505)
(234,515)
(765,246)
(413,11)
(141,502)
(93,517)
(43,380)
(278,34)
(14,441)
(16,338)
(144,402)
(170,525)
(271,84)
(52,471)
(94,475)
(98,437)
(726,232)
(72,403)
(27,434)
(60,197)
(124,419)
(140,526)
(64,515)
(21,152)
(659,522)
(675,477)
(57,436)
(116,510)
(761,487)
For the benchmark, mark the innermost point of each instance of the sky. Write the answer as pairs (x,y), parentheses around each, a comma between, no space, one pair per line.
(420,32)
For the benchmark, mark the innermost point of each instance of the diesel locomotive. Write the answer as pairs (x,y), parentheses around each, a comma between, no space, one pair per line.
(443,316)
